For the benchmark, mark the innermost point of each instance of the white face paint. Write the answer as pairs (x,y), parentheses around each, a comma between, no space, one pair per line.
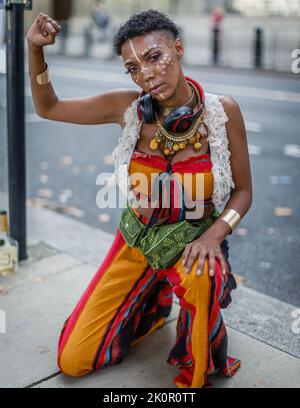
(133,51)
(161,65)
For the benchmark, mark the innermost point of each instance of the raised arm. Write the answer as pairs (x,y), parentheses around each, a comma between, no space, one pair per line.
(107,107)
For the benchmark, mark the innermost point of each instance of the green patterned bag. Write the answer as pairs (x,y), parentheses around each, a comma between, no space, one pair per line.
(131,227)
(163,244)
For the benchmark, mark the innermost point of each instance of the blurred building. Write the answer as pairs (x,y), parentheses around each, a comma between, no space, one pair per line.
(182,7)
(277,19)
(267,7)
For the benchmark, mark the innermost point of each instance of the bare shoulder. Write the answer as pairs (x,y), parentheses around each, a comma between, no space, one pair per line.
(126,97)
(235,126)
(231,107)
(235,118)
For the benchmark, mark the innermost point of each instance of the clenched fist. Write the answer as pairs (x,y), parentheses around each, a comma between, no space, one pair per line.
(43,31)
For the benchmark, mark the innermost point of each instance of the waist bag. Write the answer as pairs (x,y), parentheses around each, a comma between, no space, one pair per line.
(162,244)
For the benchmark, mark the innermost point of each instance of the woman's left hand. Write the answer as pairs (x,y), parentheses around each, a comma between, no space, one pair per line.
(199,249)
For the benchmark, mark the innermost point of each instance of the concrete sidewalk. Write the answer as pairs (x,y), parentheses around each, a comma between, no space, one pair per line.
(64,254)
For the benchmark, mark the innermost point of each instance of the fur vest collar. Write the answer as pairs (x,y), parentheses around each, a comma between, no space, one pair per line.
(215,119)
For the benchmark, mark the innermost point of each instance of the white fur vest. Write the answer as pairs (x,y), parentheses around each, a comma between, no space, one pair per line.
(215,119)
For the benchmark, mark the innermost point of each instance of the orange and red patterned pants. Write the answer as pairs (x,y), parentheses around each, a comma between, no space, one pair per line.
(127,300)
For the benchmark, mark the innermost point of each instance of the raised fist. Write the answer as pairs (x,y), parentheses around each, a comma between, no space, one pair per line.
(43,31)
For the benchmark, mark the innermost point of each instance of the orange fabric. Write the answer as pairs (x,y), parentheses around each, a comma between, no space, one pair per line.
(152,165)
(113,289)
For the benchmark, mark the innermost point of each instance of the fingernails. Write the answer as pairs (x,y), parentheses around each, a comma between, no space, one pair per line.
(198,272)
(183,262)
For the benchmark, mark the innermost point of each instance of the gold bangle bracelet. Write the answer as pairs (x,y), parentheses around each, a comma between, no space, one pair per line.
(44,77)
(232,217)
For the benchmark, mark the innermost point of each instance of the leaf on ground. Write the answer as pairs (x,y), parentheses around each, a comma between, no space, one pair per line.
(239,279)
(241,232)
(3,290)
(282,211)
(43,349)
(36,280)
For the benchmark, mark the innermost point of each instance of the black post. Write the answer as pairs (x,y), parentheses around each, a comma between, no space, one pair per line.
(16,124)
(258,48)
(216,48)
(88,40)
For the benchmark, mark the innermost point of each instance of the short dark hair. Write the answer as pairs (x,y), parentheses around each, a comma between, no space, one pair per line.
(144,23)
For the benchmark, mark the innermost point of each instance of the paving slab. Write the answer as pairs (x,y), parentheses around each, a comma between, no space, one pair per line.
(145,366)
(34,316)
(264,318)
(76,238)
(34,272)
(39,298)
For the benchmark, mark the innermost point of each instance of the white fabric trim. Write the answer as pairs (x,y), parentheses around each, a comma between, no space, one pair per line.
(215,119)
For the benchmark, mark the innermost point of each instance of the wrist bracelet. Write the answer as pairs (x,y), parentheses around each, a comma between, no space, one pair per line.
(44,77)
(232,217)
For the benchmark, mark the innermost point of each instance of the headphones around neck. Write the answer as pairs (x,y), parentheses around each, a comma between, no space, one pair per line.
(180,119)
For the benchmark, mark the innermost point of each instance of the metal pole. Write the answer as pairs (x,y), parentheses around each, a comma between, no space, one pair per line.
(258,48)
(16,125)
(215,45)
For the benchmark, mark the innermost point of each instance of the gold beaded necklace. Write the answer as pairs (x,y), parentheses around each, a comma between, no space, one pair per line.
(175,142)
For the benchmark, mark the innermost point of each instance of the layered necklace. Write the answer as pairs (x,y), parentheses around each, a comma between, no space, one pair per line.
(173,141)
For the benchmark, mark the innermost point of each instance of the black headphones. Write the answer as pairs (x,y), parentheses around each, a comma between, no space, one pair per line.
(177,121)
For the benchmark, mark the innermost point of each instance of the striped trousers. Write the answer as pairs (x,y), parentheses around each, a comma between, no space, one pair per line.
(127,300)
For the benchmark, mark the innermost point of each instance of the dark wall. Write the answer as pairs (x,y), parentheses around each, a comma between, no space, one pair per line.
(61,9)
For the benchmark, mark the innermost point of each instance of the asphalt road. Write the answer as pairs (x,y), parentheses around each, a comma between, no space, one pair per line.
(63,161)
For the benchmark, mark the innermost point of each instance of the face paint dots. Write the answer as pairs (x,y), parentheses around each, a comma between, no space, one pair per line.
(145,70)
(145,50)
